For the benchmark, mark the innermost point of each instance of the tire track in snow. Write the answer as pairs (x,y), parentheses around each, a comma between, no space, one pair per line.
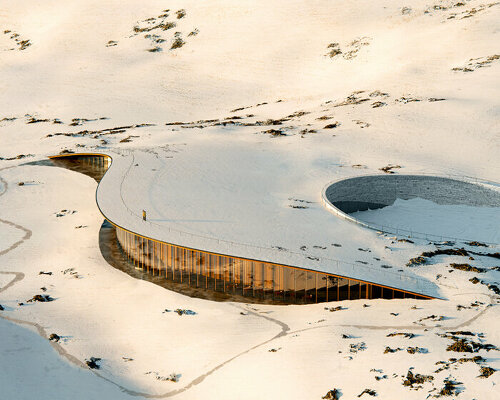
(27,235)
(19,276)
(27,232)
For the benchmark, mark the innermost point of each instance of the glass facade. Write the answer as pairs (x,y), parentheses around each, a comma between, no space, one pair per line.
(228,274)
(249,278)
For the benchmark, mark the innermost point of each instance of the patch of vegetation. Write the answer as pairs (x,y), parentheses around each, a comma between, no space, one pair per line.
(453,361)
(476,63)
(431,318)
(42,298)
(390,350)
(355,347)
(450,388)
(155,49)
(415,381)
(407,335)
(370,392)
(22,44)
(159,25)
(177,42)
(353,99)
(180,311)
(298,114)
(334,50)
(414,350)
(461,345)
(173,377)
(351,50)
(407,99)
(275,132)
(333,309)
(486,372)
(478,244)
(98,133)
(333,394)
(35,120)
(470,12)
(416,261)
(467,267)
(388,169)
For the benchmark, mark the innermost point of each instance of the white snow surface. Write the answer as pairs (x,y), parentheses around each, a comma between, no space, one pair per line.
(245,54)
(420,215)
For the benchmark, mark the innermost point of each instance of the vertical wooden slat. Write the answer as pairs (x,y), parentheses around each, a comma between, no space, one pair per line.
(316,282)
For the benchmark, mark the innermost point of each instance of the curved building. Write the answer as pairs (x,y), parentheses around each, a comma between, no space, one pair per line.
(158,248)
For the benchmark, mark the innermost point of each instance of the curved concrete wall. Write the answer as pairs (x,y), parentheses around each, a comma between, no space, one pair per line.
(376,191)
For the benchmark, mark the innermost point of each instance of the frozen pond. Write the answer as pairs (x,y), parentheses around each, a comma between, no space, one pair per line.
(419,215)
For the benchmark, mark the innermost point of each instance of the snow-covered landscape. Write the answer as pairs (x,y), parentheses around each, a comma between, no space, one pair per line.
(225,121)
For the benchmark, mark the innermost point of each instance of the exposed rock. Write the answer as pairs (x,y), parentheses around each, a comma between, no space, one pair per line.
(452,361)
(407,335)
(479,244)
(181,311)
(413,350)
(447,252)
(355,347)
(417,379)
(332,309)
(42,298)
(450,388)
(92,363)
(467,267)
(389,350)
(332,395)
(371,392)
(388,168)
(486,372)
(416,261)
(54,337)
(468,346)
(275,132)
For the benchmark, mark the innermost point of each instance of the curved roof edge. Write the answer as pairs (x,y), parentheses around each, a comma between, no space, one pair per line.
(109,190)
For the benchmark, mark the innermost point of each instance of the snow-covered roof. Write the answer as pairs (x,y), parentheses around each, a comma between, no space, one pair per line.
(237,200)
